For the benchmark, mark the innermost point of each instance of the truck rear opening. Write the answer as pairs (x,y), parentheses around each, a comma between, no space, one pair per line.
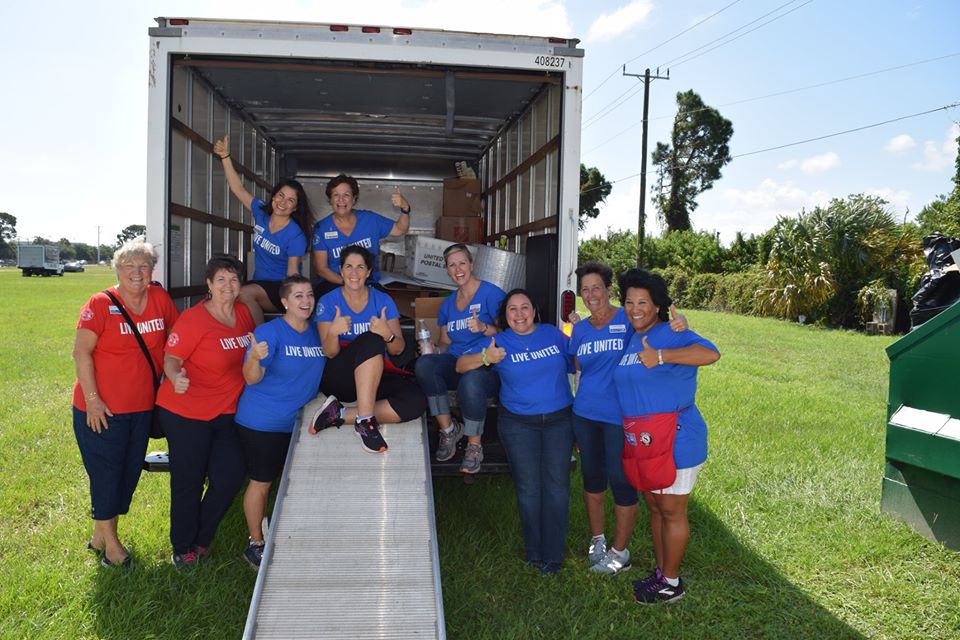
(390,106)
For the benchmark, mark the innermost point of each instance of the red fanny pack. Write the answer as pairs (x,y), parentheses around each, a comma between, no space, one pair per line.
(648,450)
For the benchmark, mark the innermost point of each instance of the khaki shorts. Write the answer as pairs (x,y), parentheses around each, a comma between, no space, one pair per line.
(683,485)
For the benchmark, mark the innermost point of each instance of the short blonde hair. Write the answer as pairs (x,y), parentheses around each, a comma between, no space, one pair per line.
(136,248)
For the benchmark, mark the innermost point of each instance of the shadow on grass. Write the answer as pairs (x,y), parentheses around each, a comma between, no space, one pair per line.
(488,593)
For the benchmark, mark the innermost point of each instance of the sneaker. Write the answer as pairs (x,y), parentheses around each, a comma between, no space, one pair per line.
(659,591)
(551,568)
(328,415)
(369,433)
(596,550)
(654,576)
(254,554)
(184,561)
(612,563)
(202,552)
(447,443)
(472,458)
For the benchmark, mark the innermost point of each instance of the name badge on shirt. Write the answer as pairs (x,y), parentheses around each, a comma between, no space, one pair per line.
(618,328)
(330,235)
(475,307)
(114,311)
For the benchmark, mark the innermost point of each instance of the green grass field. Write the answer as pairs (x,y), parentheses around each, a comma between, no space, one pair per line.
(787,537)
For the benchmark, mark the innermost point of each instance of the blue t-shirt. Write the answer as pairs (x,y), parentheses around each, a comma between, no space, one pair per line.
(370,229)
(533,375)
(598,351)
(486,301)
(665,388)
(359,321)
(272,250)
(292,371)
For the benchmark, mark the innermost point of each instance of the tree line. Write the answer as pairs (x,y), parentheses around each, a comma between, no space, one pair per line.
(69,251)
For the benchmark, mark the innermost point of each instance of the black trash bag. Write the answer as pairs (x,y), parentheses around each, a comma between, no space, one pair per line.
(938,288)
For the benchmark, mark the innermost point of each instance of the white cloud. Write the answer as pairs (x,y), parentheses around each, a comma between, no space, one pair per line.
(821,163)
(789,164)
(899,200)
(609,26)
(902,142)
(937,156)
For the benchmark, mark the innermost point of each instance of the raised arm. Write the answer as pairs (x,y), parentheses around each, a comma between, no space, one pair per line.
(222,149)
(402,225)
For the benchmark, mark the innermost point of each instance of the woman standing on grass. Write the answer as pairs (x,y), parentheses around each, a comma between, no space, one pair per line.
(596,345)
(359,327)
(282,370)
(534,423)
(656,383)
(349,226)
(197,403)
(466,321)
(280,230)
(114,394)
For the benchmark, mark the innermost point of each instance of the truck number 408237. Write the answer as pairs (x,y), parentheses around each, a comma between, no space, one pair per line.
(550,61)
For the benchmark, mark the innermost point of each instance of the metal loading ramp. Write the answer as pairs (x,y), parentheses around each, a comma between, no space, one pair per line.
(352,547)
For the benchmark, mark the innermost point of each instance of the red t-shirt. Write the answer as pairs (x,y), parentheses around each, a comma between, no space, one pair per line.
(212,354)
(124,380)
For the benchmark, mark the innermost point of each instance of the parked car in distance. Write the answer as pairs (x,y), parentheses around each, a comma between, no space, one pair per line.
(74,267)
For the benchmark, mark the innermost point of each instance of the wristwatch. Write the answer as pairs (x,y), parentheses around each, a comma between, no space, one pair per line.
(406,211)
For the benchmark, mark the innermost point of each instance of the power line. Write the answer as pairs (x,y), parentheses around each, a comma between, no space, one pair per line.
(610,106)
(823,137)
(667,41)
(781,93)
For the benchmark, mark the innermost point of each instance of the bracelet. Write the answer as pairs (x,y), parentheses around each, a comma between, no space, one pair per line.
(483,357)
(92,395)
(659,356)
(225,157)
(406,211)
(392,337)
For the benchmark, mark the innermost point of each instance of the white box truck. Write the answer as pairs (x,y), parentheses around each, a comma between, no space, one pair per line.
(390,106)
(39,260)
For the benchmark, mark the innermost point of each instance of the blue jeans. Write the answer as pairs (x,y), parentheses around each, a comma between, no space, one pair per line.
(437,373)
(601,445)
(113,459)
(538,448)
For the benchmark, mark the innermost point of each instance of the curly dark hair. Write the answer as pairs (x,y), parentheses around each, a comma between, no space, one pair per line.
(303,215)
(343,179)
(655,285)
(599,268)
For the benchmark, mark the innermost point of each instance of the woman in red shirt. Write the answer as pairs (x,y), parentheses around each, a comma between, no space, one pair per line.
(114,394)
(197,402)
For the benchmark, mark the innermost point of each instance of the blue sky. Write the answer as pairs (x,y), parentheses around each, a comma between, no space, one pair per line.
(75,79)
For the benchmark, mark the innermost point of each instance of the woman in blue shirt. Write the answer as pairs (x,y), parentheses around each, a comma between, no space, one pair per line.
(348,226)
(534,422)
(359,327)
(278,245)
(282,370)
(656,383)
(466,321)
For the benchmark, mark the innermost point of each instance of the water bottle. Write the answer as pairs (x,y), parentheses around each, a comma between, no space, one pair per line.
(424,340)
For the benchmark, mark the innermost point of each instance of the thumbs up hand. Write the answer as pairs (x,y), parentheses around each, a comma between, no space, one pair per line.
(678,321)
(258,350)
(495,354)
(397,199)
(648,357)
(474,324)
(181,382)
(222,147)
(340,324)
(379,326)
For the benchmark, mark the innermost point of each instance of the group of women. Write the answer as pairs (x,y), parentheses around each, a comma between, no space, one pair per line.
(232,386)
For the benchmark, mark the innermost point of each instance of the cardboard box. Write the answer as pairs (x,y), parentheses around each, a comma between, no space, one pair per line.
(461,197)
(426,309)
(468,230)
(424,260)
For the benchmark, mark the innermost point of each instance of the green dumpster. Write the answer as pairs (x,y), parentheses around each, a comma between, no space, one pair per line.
(921,480)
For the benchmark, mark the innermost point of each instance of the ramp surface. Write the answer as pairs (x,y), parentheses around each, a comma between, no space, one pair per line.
(351,551)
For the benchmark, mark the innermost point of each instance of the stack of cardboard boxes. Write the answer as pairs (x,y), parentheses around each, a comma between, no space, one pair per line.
(460,219)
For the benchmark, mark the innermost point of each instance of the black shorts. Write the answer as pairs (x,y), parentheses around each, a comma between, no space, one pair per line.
(272,289)
(265,452)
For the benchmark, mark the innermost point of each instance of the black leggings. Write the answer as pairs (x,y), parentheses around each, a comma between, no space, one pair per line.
(201,449)
(402,392)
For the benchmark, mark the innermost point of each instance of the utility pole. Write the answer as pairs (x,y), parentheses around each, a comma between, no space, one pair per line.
(98,243)
(645,78)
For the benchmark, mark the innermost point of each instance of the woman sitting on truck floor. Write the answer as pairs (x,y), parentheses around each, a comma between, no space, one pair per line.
(466,320)
(197,403)
(114,394)
(282,370)
(348,226)
(278,246)
(359,325)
